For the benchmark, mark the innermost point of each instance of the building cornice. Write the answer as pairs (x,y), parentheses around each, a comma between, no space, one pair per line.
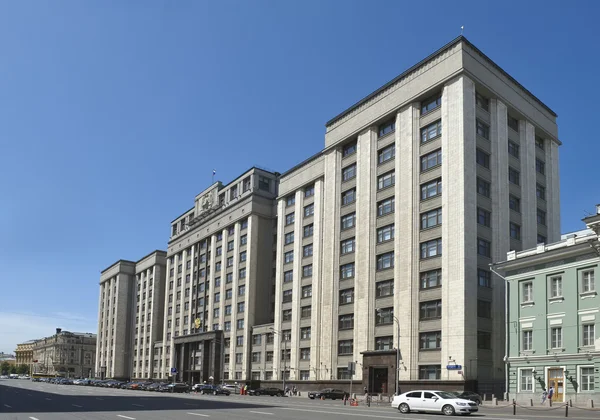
(555,357)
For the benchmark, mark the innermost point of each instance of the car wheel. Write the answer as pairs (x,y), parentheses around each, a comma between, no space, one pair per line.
(312,398)
(404,408)
(280,395)
(214,392)
(448,410)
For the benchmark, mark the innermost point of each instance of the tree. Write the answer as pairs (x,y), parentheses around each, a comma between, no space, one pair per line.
(22,369)
(13,369)
(4,368)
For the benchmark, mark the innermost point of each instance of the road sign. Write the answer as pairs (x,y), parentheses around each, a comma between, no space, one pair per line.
(173,370)
(454,367)
(351,368)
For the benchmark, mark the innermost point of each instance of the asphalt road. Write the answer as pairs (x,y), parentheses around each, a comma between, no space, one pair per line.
(26,400)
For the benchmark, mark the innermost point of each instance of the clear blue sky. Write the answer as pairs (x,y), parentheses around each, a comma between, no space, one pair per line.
(114,113)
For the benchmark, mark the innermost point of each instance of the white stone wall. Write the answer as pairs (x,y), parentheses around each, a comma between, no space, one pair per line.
(529,228)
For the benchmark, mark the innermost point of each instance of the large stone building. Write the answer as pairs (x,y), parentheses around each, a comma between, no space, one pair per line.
(554,320)
(24,353)
(66,354)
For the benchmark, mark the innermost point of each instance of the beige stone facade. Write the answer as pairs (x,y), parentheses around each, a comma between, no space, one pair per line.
(66,354)
(24,353)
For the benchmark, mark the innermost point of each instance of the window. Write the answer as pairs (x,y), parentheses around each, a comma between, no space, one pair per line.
(385,261)
(347,246)
(345,347)
(349,172)
(527,340)
(483,129)
(513,123)
(386,180)
(514,203)
(219,236)
(484,308)
(217,297)
(385,233)
(484,277)
(431,279)
(288,276)
(587,282)
(287,296)
(384,343)
(307,270)
(541,217)
(229,261)
(307,250)
(540,191)
(556,341)
(483,187)
(386,154)
(309,191)
(264,183)
(349,149)
(431,189)
(386,206)
(243,256)
(484,248)
(527,292)
(229,278)
(514,177)
(526,380)
(240,324)
(309,210)
(346,322)
(227,309)
(305,353)
(431,340)
(286,315)
(540,166)
(515,231)
(431,248)
(484,340)
(307,291)
(384,288)
(430,372)
(346,296)
(384,316)
(241,290)
(289,219)
(256,357)
(288,257)
(431,132)
(289,238)
(306,311)
(484,217)
(239,340)
(386,128)
(256,340)
(218,266)
(290,200)
(482,102)
(589,335)
(483,158)
(513,149)
(541,239)
(587,378)
(431,103)
(347,271)
(304,334)
(430,310)
(431,160)
(349,196)
(308,230)
(269,356)
(348,221)
(247,184)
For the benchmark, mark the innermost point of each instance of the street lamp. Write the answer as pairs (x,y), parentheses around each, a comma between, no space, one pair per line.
(379,311)
(284,354)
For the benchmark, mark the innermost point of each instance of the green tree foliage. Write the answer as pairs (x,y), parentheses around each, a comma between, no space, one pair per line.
(22,369)
(13,369)
(4,368)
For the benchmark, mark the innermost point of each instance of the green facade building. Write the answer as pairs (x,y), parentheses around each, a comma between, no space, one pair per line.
(553,318)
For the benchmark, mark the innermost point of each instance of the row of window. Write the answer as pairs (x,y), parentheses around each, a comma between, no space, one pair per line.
(585,381)
(587,284)
(587,337)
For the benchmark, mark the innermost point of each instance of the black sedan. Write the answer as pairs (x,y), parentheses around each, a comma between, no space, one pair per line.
(328,393)
(267,391)
(469,395)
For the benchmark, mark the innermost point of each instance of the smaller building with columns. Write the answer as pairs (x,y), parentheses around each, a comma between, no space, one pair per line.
(24,353)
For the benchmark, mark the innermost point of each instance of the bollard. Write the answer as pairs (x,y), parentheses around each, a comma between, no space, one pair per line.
(368,400)
(566,410)
(590,403)
(570,402)
(514,408)
(531,402)
(494,401)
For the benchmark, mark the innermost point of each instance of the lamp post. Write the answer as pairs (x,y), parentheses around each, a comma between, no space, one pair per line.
(397,350)
(284,354)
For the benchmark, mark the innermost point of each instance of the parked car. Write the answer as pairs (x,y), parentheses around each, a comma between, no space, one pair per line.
(328,393)
(154,386)
(433,402)
(267,391)
(179,387)
(468,395)
(234,389)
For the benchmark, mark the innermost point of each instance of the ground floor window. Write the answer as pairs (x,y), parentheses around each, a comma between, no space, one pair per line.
(304,375)
(430,372)
(587,378)
(526,380)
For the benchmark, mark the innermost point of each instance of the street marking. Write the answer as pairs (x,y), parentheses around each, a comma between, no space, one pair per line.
(341,413)
(33,418)
(198,414)
(125,417)
(49,399)
(261,412)
(137,405)
(29,395)
(78,406)
(189,404)
(7,406)
(101,399)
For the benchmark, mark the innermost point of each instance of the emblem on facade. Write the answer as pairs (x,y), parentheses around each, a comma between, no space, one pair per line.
(197,323)
(207,201)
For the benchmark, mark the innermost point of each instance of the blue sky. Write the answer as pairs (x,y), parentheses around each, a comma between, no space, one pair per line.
(113,115)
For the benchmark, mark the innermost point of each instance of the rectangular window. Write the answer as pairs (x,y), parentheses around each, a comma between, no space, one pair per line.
(431,218)
(541,239)
(307,270)
(386,180)
(309,210)
(556,287)
(526,380)
(513,123)
(307,250)
(483,158)
(286,315)
(288,276)
(347,246)
(289,257)
(349,149)
(290,218)
(431,248)
(527,292)
(243,256)
(289,238)
(255,357)
(387,127)
(384,316)
(306,311)
(556,338)
(346,322)
(229,261)
(430,372)
(241,290)
(349,196)
(541,217)
(482,102)
(287,296)
(431,340)
(430,310)
(484,277)
(431,160)
(304,334)
(309,191)
(346,296)
(432,131)
(527,340)
(484,217)
(513,149)
(290,200)
(515,231)
(349,172)
(484,340)
(483,187)
(386,154)
(307,291)
(484,248)
(587,282)
(587,378)
(483,129)
(384,343)
(385,233)
(589,335)
(385,261)
(347,271)
(431,103)
(264,183)
(540,191)
(431,279)
(348,221)
(386,206)
(484,308)
(540,166)
(305,353)
(431,189)
(514,177)
(384,288)
(514,203)
(308,230)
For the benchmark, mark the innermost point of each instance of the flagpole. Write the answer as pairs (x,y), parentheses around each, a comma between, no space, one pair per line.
(213,177)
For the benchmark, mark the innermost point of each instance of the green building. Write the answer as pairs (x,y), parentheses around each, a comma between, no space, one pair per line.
(553,318)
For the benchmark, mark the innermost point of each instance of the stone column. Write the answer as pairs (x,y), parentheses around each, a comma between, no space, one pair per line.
(316,326)
(281,206)
(528,185)
(552,191)
(297,276)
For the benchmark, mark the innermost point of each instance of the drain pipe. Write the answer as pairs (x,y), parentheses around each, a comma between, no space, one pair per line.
(506,283)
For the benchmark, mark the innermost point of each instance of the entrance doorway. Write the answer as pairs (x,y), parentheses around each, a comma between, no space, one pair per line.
(556,379)
(380,380)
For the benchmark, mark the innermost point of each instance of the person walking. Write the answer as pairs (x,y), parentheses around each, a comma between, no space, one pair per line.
(365,390)
(544,396)
(550,394)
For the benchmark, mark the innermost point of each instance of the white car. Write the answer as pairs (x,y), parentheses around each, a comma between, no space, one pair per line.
(433,402)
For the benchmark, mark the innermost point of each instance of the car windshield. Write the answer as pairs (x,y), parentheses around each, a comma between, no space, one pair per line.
(445,395)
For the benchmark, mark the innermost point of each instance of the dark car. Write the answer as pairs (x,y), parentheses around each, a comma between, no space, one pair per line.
(179,387)
(211,389)
(154,386)
(267,391)
(469,395)
(328,394)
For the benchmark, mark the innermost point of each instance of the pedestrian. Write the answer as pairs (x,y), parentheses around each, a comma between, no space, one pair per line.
(294,390)
(287,390)
(544,396)
(365,390)
(550,394)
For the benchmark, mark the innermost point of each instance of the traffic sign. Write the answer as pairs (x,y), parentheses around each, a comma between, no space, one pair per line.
(173,370)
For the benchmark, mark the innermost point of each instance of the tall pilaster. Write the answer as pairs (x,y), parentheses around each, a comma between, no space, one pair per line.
(315,325)
(552,191)
(281,205)
(297,281)
(528,181)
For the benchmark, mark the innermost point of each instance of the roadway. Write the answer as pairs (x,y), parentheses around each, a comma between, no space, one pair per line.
(26,400)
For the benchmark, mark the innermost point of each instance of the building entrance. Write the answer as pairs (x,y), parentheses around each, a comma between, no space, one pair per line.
(556,379)
(380,380)
(199,357)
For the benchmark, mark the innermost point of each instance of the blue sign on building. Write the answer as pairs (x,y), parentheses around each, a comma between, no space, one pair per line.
(454,367)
